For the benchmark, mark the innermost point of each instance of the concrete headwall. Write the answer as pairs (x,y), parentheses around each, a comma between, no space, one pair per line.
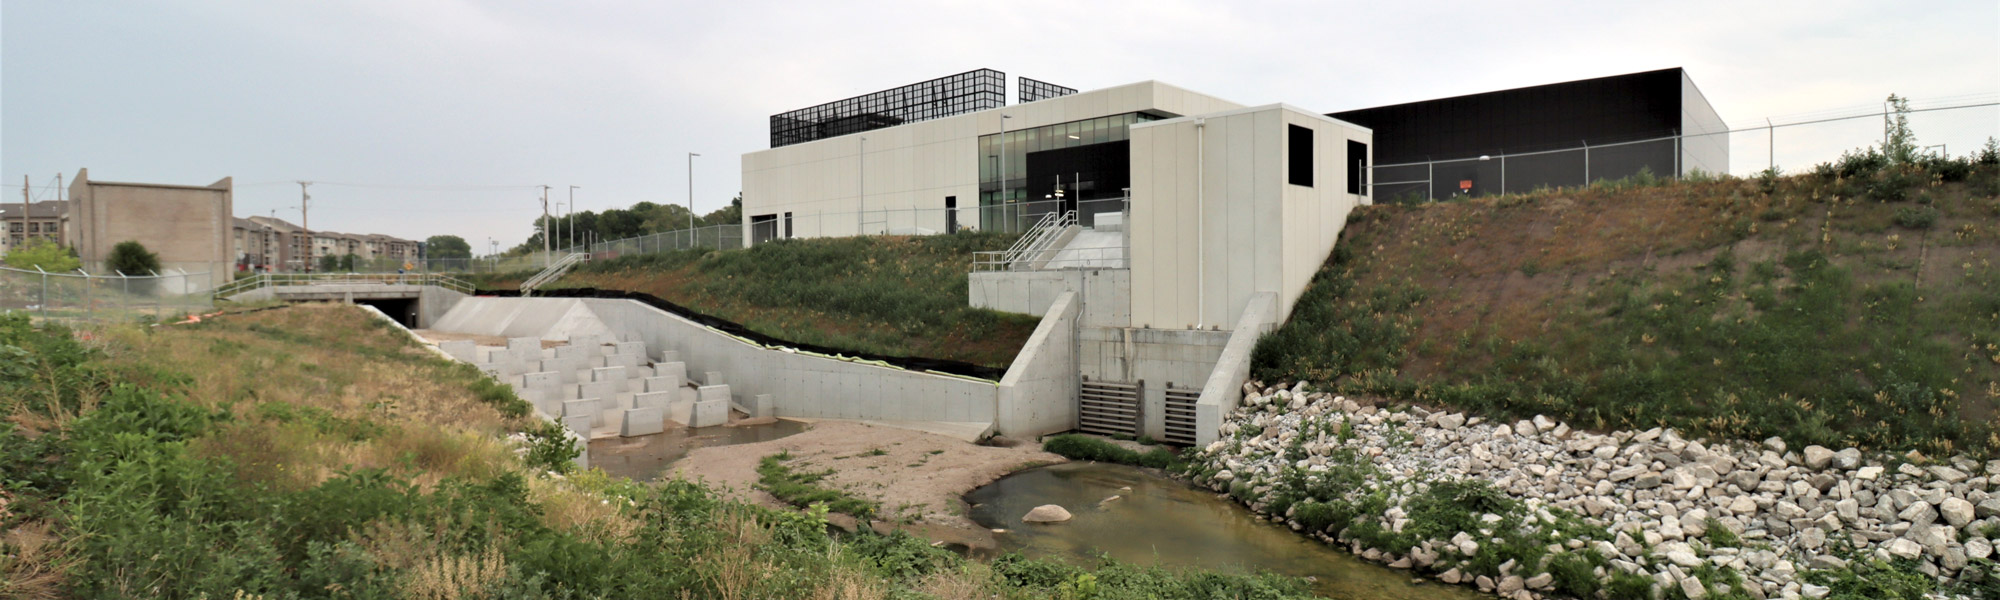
(1038,393)
(800,385)
(1224,389)
(545,318)
(434,302)
(1162,358)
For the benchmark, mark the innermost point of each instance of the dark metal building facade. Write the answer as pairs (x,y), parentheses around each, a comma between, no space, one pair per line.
(1561,134)
(966,92)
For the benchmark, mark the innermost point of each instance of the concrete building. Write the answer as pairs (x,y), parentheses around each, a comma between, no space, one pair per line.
(41,220)
(1165,230)
(187,226)
(290,245)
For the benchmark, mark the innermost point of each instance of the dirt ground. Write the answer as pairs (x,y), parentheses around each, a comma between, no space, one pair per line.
(918,477)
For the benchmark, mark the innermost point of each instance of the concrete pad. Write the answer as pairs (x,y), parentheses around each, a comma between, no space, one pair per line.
(708,393)
(643,421)
(463,350)
(658,400)
(709,413)
(762,405)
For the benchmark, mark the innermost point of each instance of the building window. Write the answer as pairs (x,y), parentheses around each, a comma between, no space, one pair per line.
(1299,140)
(1357,167)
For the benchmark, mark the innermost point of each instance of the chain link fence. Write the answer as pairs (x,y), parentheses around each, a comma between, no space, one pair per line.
(101,298)
(1799,142)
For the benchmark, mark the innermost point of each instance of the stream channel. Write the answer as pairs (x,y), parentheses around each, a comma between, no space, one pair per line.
(1160,521)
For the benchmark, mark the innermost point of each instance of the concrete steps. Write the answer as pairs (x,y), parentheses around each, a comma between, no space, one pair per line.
(601,387)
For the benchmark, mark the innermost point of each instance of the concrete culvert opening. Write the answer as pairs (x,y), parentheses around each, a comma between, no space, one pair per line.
(403,310)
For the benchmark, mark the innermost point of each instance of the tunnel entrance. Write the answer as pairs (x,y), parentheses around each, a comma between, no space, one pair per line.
(403,310)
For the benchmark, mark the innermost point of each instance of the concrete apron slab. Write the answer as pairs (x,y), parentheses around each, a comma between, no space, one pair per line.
(967,431)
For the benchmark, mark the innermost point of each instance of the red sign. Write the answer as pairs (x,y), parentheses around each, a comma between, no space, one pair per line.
(1465,184)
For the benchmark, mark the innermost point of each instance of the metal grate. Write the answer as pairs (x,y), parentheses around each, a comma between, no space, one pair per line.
(1109,408)
(966,92)
(1031,90)
(1179,416)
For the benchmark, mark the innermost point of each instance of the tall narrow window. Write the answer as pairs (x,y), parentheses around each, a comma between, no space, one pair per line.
(1357,167)
(1300,141)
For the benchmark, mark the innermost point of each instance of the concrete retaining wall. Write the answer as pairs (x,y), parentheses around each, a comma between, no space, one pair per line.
(1038,393)
(1104,293)
(1181,358)
(800,385)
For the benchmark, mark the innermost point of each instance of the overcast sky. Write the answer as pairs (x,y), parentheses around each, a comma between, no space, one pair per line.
(449,109)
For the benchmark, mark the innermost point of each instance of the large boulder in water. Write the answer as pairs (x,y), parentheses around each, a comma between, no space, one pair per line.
(1046,513)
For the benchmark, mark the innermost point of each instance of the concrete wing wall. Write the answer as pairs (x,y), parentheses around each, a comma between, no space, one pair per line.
(552,319)
(1038,394)
(803,385)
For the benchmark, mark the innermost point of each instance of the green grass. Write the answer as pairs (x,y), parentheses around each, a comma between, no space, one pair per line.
(888,295)
(802,489)
(1667,304)
(127,476)
(1081,447)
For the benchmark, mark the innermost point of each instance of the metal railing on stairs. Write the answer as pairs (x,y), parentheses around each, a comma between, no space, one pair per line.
(553,272)
(1032,244)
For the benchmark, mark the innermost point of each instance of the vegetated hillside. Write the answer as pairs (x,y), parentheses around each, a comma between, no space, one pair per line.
(316,452)
(1858,304)
(891,295)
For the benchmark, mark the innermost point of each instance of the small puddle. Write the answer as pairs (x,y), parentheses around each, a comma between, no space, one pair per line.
(646,458)
(1167,523)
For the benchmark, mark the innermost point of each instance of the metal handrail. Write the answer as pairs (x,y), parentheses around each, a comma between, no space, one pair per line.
(1034,231)
(1045,234)
(266,280)
(554,271)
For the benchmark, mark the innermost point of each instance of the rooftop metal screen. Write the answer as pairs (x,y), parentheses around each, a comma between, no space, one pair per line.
(942,97)
(1031,90)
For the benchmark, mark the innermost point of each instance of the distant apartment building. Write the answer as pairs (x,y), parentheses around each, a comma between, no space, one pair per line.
(41,220)
(270,243)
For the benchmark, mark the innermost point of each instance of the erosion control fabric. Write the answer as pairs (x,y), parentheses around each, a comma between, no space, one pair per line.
(732,328)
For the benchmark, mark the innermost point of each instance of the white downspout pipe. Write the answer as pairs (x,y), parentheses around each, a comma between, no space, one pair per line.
(1200,223)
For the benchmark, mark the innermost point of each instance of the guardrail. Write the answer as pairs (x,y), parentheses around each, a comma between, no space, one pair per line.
(553,272)
(265,280)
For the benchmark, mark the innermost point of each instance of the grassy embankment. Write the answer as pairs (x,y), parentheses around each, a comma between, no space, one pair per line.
(1854,305)
(889,295)
(312,451)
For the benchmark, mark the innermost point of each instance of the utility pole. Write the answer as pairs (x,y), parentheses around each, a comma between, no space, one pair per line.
(62,214)
(24,219)
(305,222)
(545,227)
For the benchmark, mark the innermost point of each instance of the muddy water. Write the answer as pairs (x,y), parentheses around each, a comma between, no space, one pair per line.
(646,458)
(1165,522)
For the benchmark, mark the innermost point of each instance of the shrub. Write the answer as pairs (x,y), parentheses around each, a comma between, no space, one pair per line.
(802,488)
(1916,217)
(43,254)
(550,448)
(132,258)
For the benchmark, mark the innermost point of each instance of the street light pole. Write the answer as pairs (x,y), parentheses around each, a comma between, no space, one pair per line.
(545,227)
(571,218)
(691,156)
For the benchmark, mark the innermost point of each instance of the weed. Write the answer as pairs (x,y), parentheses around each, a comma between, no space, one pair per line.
(1078,447)
(803,489)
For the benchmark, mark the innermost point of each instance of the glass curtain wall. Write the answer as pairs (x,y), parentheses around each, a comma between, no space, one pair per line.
(1005,211)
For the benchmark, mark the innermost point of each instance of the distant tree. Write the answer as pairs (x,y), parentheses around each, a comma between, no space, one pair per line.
(131,258)
(329,263)
(347,262)
(730,215)
(447,247)
(40,252)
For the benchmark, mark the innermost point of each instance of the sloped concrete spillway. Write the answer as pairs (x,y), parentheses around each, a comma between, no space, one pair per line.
(1159,521)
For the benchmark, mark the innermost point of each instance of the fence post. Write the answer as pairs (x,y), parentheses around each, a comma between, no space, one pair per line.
(45,290)
(1586,163)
